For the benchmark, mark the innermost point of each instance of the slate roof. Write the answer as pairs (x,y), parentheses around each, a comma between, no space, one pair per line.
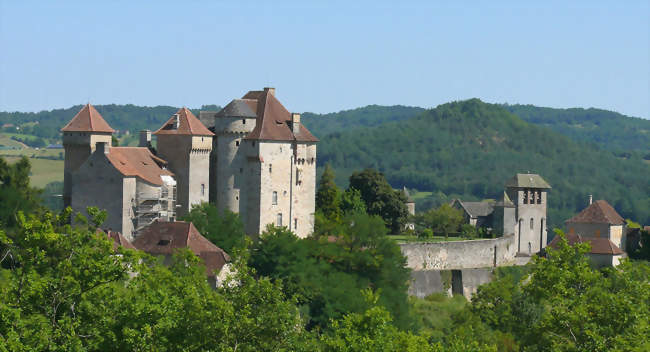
(273,120)
(599,245)
(164,238)
(239,108)
(505,201)
(409,199)
(138,162)
(88,119)
(207,118)
(188,124)
(476,209)
(598,212)
(527,181)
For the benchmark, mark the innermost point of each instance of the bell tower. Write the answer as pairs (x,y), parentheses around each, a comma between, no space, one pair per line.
(529,195)
(80,138)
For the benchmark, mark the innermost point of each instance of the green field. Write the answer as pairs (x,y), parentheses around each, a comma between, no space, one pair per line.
(44,171)
(5,140)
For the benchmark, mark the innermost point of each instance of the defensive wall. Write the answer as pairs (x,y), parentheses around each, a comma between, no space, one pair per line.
(457,267)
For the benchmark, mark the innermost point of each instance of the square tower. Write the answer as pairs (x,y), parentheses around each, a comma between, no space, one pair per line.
(185,143)
(528,192)
(80,138)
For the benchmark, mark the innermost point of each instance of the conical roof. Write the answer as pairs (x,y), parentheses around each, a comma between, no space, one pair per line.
(187,124)
(88,119)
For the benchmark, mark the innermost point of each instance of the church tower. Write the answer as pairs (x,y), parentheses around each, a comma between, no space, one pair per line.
(529,195)
(185,143)
(80,138)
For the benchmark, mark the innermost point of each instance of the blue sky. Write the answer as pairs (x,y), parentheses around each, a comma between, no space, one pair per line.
(326,56)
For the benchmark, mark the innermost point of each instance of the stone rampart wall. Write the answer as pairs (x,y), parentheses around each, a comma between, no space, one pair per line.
(460,254)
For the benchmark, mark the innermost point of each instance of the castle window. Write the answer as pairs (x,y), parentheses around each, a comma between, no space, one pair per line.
(278,221)
(539,197)
(203,189)
(525,196)
(297,176)
(295,223)
(274,198)
(243,121)
(163,242)
(532,223)
(237,143)
(270,168)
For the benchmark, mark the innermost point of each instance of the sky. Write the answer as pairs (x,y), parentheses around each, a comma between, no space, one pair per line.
(325,56)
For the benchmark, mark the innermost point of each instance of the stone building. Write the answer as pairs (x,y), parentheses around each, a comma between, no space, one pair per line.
(132,184)
(524,218)
(253,157)
(599,220)
(263,163)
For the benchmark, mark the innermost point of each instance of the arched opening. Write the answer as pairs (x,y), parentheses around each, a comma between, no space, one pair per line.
(519,236)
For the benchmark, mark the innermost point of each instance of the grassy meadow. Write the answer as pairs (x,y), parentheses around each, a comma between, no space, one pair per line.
(44,171)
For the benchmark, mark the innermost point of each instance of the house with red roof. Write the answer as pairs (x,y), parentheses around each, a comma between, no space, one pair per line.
(603,228)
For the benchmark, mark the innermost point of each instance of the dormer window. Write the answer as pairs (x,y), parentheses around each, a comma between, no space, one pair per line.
(243,121)
(163,242)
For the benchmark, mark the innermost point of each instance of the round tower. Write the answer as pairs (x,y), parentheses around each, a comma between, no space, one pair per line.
(80,138)
(231,125)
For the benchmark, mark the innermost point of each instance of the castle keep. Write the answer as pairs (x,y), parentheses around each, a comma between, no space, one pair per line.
(253,157)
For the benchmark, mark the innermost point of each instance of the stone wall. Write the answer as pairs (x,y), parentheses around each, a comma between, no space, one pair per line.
(456,267)
(460,254)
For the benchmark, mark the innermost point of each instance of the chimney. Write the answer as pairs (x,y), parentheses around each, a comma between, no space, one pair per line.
(176,121)
(270,90)
(295,123)
(102,147)
(591,199)
(145,138)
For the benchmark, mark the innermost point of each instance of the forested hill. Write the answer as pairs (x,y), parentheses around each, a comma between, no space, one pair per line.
(609,130)
(120,117)
(470,148)
(367,116)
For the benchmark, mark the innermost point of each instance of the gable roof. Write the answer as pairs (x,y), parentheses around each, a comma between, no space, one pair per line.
(273,120)
(164,238)
(527,181)
(88,119)
(475,209)
(598,212)
(599,245)
(138,162)
(188,124)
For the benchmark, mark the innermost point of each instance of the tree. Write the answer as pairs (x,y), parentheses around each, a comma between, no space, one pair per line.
(115,142)
(15,192)
(351,202)
(443,220)
(380,198)
(565,305)
(328,195)
(223,228)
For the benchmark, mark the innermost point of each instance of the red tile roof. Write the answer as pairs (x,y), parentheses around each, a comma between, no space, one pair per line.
(118,239)
(598,212)
(138,162)
(87,119)
(163,238)
(188,124)
(599,245)
(273,120)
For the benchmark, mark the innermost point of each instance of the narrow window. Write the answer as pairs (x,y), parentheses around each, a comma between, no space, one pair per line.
(525,197)
(297,176)
(295,223)
(237,143)
(253,143)
(203,189)
(274,198)
(243,121)
(279,220)
(539,197)
(270,168)
(532,223)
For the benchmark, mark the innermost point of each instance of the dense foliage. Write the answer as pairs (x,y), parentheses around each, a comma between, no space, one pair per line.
(15,192)
(469,149)
(223,228)
(606,130)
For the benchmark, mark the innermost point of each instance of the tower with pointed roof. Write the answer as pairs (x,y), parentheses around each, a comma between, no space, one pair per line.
(528,193)
(185,143)
(264,164)
(80,138)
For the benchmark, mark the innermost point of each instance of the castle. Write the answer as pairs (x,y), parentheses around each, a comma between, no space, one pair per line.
(253,157)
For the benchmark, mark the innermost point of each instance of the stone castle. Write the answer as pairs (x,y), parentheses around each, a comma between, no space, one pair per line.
(253,157)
